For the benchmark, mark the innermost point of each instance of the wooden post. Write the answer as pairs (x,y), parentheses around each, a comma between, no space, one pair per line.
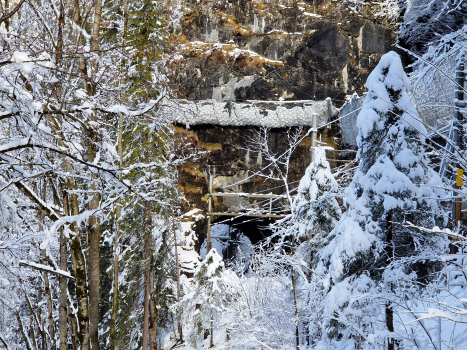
(313,135)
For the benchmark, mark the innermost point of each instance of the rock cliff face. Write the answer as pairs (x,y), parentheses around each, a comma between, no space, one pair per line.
(237,50)
(275,49)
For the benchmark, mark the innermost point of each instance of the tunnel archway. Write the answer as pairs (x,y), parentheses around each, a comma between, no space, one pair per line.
(235,238)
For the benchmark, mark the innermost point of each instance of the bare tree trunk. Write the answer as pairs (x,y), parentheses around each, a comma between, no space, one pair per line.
(23,332)
(118,211)
(31,327)
(62,299)
(390,324)
(73,329)
(7,22)
(48,294)
(152,307)
(96,26)
(146,283)
(148,262)
(113,316)
(297,333)
(94,227)
(94,273)
(389,256)
(177,267)
(49,304)
(79,268)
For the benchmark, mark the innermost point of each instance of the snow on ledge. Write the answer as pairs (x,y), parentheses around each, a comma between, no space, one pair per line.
(272,114)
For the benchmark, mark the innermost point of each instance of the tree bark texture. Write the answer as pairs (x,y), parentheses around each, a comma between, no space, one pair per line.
(79,268)
(146,288)
(152,307)
(389,257)
(93,223)
(23,332)
(62,299)
(118,211)
(49,304)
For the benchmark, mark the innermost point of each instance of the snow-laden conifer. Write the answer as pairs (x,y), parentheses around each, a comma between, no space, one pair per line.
(316,210)
(205,302)
(371,250)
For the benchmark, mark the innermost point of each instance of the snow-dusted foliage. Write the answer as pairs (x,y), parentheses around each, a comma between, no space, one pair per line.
(262,312)
(425,21)
(204,304)
(83,147)
(316,210)
(371,251)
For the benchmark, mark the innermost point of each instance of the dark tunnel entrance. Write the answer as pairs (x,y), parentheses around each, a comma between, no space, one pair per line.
(234,239)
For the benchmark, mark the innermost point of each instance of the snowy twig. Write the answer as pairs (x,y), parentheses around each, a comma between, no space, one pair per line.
(45,268)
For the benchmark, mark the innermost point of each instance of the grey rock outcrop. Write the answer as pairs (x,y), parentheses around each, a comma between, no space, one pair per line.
(275,49)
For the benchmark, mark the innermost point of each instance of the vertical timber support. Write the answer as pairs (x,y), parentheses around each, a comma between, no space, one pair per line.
(314,134)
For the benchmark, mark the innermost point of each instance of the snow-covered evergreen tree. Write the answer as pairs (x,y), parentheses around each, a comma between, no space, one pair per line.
(316,210)
(371,250)
(204,303)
